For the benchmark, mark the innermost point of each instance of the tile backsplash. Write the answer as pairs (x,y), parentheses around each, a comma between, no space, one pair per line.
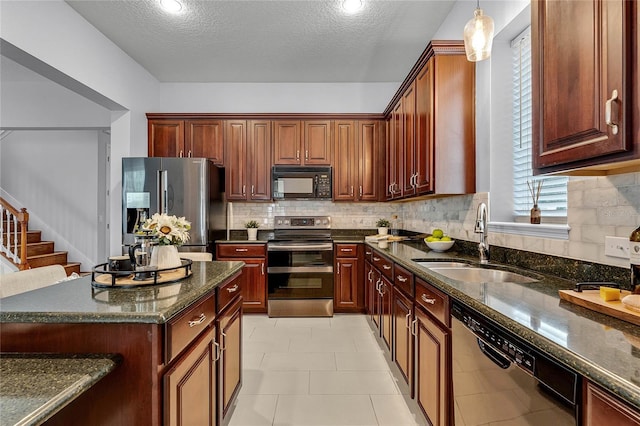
(597,207)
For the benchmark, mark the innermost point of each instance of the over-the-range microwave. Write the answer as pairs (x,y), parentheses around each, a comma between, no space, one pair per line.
(301,183)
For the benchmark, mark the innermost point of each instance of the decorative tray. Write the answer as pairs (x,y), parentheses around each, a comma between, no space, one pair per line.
(101,277)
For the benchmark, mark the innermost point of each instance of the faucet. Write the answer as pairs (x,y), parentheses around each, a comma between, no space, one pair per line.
(482,229)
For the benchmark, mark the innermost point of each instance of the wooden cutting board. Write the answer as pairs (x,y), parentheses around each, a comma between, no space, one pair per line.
(590,299)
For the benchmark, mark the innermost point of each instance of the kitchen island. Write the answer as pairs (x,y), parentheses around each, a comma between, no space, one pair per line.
(602,349)
(159,331)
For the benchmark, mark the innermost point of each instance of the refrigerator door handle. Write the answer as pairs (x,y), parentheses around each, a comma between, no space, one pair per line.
(162,191)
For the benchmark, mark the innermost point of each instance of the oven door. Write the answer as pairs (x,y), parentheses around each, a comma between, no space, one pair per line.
(300,270)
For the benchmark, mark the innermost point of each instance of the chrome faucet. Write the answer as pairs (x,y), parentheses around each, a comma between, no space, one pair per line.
(482,229)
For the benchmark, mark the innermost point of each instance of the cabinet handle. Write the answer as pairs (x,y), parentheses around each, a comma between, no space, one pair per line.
(387,267)
(607,112)
(297,154)
(415,180)
(244,189)
(217,356)
(427,300)
(241,249)
(345,249)
(351,191)
(378,284)
(361,190)
(414,327)
(262,267)
(253,189)
(408,321)
(368,252)
(233,289)
(382,288)
(369,275)
(375,259)
(338,268)
(202,318)
(189,154)
(224,342)
(401,279)
(180,154)
(306,154)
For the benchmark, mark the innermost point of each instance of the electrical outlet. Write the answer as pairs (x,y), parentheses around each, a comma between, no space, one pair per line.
(616,247)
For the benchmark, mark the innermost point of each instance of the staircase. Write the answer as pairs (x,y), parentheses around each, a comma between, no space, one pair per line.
(25,248)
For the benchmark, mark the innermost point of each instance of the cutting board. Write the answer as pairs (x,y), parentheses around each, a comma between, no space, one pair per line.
(590,299)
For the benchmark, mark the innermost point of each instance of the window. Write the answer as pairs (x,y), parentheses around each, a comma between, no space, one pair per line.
(552,199)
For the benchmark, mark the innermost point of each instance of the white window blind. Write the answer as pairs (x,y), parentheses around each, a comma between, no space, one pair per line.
(553,197)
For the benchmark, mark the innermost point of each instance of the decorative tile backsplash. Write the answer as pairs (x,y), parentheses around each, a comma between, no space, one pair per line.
(597,207)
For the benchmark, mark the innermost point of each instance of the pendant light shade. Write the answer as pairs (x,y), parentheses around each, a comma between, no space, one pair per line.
(478,36)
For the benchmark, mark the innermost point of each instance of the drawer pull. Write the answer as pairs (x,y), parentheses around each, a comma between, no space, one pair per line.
(241,249)
(217,356)
(427,300)
(224,342)
(408,318)
(401,279)
(376,258)
(414,327)
(369,277)
(232,289)
(387,267)
(202,318)
(344,249)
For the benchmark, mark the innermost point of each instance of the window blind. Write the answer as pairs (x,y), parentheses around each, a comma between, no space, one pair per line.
(553,196)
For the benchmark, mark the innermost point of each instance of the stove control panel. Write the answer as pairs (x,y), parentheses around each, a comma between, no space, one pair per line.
(302,222)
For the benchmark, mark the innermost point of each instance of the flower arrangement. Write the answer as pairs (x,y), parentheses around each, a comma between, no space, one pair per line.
(251,224)
(383,223)
(170,230)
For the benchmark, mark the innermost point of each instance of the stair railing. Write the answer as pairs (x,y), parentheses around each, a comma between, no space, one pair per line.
(13,234)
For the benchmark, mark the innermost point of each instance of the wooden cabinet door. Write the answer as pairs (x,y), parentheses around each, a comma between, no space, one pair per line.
(386,298)
(317,143)
(205,139)
(571,91)
(254,285)
(402,316)
(408,117)
(236,169)
(369,160)
(369,287)
(189,386)
(395,154)
(433,370)
(423,155)
(602,408)
(346,161)
(287,143)
(166,138)
(376,300)
(259,160)
(346,284)
(230,362)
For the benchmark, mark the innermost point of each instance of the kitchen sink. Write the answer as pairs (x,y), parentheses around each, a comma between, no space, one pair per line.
(482,275)
(438,264)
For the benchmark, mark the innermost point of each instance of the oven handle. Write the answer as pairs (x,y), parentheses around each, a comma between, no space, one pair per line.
(300,247)
(300,269)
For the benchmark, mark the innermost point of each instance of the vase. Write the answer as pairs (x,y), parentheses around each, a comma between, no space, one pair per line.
(535,214)
(383,230)
(165,257)
(252,234)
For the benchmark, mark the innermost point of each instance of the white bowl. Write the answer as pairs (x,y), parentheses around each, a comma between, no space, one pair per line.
(440,246)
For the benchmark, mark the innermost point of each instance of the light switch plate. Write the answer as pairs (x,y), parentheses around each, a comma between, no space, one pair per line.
(616,247)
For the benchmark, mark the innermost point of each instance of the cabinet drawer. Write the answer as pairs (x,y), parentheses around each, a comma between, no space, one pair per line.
(403,279)
(384,265)
(182,330)
(433,301)
(368,253)
(227,292)
(346,250)
(241,250)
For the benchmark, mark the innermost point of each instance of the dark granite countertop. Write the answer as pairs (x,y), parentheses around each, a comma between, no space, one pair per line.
(601,348)
(76,301)
(36,386)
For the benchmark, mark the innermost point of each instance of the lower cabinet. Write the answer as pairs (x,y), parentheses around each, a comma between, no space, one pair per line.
(348,285)
(601,408)
(402,317)
(229,325)
(192,381)
(254,278)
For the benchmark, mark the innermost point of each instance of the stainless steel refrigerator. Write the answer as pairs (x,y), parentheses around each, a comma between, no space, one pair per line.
(189,187)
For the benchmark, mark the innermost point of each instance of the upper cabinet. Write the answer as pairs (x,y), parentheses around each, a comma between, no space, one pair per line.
(201,138)
(585,99)
(248,171)
(431,135)
(302,142)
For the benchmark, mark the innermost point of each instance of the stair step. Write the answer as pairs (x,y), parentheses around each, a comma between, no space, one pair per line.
(55,258)
(72,267)
(42,247)
(32,237)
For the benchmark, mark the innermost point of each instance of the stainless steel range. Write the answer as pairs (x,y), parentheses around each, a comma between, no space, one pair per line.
(300,272)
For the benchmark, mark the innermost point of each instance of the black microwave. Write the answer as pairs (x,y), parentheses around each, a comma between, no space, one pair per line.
(301,183)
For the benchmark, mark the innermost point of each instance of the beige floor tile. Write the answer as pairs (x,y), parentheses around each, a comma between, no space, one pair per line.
(367,361)
(258,382)
(304,361)
(251,360)
(352,383)
(367,345)
(303,322)
(254,410)
(252,347)
(349,321)
(323,345)
(324,410)
(269,334)
(392,410)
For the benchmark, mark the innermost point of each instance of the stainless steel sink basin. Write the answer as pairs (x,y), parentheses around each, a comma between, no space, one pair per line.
(483,275)
(436,264)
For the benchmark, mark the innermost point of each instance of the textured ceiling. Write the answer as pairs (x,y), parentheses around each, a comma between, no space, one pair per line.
(270,40)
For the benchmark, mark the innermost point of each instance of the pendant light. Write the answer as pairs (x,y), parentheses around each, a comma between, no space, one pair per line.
(478,36)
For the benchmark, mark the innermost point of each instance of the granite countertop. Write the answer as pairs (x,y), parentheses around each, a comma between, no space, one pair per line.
(601,348)
(77,301)
(36,386)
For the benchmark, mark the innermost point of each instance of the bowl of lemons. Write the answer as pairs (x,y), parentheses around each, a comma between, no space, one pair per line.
(438,241)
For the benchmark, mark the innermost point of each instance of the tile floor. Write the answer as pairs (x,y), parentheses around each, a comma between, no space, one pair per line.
(318,371)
